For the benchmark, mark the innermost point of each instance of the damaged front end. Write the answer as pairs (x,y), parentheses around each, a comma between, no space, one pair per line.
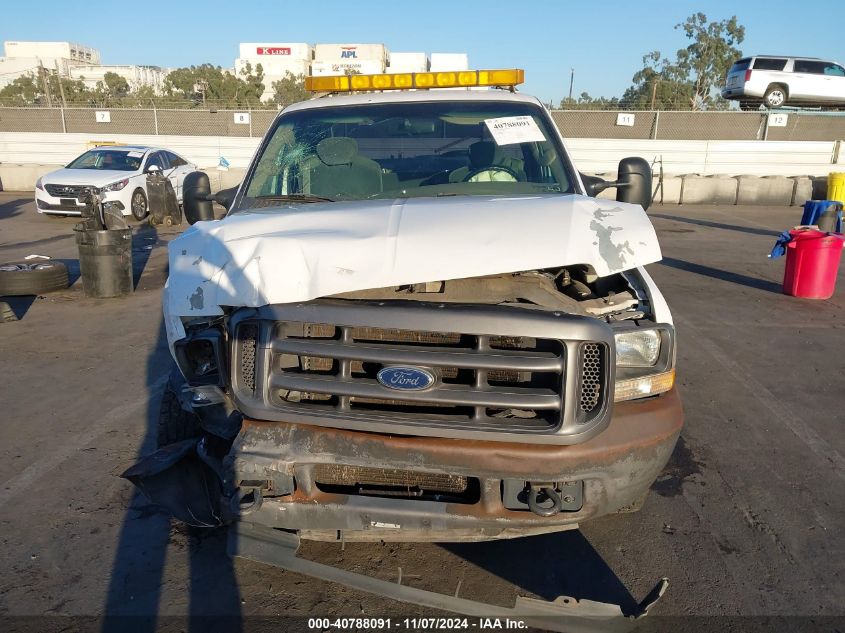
(298,440)
(539,371)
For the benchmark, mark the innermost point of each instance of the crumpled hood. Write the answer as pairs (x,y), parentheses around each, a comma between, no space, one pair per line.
(304,251)
(93,177)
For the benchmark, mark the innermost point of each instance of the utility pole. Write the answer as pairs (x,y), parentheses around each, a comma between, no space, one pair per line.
(571,81)
(61,85)
(654,93)
(45,84)
(202,87)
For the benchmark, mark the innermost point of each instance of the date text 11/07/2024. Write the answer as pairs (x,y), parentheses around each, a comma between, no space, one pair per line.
(415,624)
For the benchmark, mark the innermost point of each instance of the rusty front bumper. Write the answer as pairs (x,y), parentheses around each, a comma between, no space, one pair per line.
(616,467)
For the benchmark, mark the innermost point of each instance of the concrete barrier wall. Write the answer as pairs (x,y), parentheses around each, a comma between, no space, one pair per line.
(694,171)
(730,158)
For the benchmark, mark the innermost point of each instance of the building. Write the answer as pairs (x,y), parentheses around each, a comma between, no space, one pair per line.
(135,76)
(50,51)
(25,58)
(73,61)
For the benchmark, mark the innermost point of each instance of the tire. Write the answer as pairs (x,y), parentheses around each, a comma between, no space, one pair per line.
(174,423)
(32,277)
(139,198)
(775,96)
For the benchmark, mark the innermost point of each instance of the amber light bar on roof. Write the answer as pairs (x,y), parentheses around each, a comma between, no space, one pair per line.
(407,81)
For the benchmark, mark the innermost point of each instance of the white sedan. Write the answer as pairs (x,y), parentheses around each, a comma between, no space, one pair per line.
(119,172)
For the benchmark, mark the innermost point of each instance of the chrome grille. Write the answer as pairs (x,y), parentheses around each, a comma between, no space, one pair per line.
(318,362)
(325,365)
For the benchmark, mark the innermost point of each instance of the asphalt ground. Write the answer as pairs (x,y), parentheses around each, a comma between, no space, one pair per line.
(746,521)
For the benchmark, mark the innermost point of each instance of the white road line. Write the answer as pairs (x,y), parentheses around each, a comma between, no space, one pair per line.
(780,412)
(29,475)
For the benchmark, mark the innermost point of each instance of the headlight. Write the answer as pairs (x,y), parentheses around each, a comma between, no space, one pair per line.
(38,185)
(116,186)
(200,357)
(645,362)
(638,348)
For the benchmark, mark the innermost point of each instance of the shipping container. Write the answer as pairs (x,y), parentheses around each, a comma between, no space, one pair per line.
(263,50)
(351,52)
(363,67)
(449,61)
(408,63)
(274,67)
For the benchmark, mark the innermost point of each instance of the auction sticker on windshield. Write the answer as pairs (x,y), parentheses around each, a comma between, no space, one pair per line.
(514,129)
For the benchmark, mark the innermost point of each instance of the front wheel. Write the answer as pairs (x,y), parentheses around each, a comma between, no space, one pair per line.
(775,96)
(139,204)
(174,423)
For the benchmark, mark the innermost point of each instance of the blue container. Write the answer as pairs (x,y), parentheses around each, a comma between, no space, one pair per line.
(813,210)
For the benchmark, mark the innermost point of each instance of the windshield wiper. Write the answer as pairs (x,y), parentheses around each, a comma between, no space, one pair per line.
(296,197)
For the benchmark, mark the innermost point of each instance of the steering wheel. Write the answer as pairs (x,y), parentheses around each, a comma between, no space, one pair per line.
(472,176)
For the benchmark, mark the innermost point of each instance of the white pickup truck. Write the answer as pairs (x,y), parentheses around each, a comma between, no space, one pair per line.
(415,323)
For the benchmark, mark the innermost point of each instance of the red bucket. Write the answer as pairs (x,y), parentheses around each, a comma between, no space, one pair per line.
(812,263)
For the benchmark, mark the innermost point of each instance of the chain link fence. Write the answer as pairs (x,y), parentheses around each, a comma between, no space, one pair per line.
(179,122)
(702,126)
(662,125)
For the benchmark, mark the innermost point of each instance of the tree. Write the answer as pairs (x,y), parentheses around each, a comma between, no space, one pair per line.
(75,91)
(659,84)
(219,86)
(707,59)
(586,102)
(116,86)
(691,80)
(253,83)
(24,90)
(28,90)
(290,89)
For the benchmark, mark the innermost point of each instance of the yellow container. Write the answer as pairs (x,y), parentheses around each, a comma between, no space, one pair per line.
(836,186)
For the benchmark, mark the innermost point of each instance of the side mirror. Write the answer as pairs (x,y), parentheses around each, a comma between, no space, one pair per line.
(196,197)
(225,197)
(633,184)
(152,169)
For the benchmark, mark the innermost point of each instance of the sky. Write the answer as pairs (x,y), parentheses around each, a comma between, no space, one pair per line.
(603,41)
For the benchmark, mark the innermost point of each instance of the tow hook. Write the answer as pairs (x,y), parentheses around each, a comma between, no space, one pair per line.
(240,508)
(543,499)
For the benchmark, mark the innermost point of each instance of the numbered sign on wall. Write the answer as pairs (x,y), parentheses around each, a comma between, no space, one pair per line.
(242,118)
(778,120)
(625,118)
(102,116)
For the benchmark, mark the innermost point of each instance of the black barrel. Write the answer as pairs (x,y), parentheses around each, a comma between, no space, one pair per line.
(164,207)
(105,261)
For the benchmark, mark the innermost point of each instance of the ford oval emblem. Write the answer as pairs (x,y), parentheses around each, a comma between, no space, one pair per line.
(405,378)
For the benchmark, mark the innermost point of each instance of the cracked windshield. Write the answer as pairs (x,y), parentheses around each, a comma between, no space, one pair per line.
(401,150)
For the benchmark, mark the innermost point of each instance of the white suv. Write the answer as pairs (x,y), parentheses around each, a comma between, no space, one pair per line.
(776,81)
